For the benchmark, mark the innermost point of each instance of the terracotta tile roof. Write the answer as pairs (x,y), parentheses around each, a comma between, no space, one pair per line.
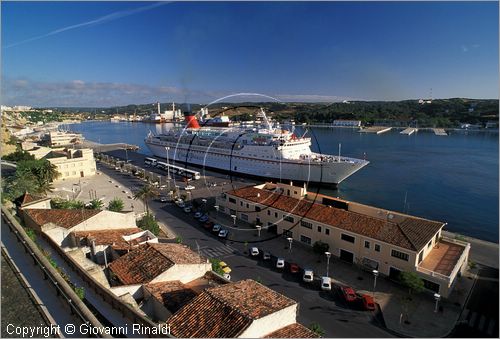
(207,317)
(226,311)
(251,298)
(60,217)
(147,261)
(293,331)
(26,198)
(172,294)
(112,237)
(413,233)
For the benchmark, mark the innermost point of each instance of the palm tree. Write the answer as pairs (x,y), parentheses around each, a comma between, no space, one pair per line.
(146,193)
(95,204)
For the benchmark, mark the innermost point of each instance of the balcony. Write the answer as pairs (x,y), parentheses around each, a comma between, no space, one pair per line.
(445,259)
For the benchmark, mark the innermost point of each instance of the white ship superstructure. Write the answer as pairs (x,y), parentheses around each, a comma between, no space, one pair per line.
(263,151)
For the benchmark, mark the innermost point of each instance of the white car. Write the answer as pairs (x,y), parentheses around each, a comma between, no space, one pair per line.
(198,215)
(223,233)
(326,283)
(308,275)
(189,187)
(254,251)
(280,263)
(187,209)
(216,228)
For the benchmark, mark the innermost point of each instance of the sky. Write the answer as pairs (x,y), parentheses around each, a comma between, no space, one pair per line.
(96,54)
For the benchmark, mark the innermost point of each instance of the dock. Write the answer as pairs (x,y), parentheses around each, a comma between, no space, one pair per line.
(409,131)
(440,131)
(375,129)
(97,147)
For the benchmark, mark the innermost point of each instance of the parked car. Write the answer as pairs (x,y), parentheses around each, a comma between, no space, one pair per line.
(254,251)
(187,209)
(216,228)
(308,275)
(266,256)
(294,268)
(198,215)
(326,283)
(348,293)
(204,218)
(208,225)
(280,263)
(189,187)
(367,302)
(163,198)
(181,204)
(223,233)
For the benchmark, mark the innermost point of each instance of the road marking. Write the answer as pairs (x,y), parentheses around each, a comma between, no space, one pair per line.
(482,322)
(219,251)
(472,319)
(491,327)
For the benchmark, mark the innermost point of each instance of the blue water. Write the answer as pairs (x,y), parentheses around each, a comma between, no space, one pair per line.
(453,179)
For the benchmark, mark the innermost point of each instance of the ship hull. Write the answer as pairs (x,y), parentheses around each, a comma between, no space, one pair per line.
(231,161)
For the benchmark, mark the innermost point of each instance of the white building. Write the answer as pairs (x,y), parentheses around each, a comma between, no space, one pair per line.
(58,138)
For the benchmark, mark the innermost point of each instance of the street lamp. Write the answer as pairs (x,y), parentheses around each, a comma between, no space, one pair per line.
(217,209)
(204,201)
(290,240)
(258,227)
(437,297)
(375,275)
(328,254)
(168,163)
(234,219)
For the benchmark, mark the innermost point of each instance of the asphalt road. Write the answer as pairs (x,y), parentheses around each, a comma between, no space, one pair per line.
(480,315)
(315,306)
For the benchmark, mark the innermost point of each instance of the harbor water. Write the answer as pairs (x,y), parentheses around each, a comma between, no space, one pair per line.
(451,178)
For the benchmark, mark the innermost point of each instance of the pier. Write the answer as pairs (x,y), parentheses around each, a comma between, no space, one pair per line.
(440,131)
(375,129)
(107,147)
(409,131)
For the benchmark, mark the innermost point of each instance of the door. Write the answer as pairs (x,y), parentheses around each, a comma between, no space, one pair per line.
(81,174)
(346,256)
(394,273)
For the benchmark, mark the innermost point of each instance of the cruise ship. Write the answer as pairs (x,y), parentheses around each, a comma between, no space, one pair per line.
(264,150)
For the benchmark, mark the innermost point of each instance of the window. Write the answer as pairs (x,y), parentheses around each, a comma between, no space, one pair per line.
(367,244)
(268,212)
(288,218)
(248,206)
(319,228)
(377,248)
(275,214)
(429,244)
(233,212)
(327,231)
(257,209)
(306,224)
(287,234)
(399,255)
(232,200)
(244,217)
(347,238)
(305,240)
(241,203)
(420,256)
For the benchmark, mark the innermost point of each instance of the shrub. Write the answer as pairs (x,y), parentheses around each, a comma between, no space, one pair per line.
(412,281)
(316,328)
(116,205)
(149,223)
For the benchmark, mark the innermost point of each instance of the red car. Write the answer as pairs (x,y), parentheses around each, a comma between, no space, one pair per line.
(368,303)
(208,225)
(348,293)
(294,268)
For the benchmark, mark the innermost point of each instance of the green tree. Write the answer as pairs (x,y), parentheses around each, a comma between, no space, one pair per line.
(18,155)
(95,204)
(316,328)
(146,193)
(116,205)
(67,204)
(320,247)
(411,280)
(149,223)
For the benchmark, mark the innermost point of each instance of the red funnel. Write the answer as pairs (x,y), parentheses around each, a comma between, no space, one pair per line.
(191,121)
